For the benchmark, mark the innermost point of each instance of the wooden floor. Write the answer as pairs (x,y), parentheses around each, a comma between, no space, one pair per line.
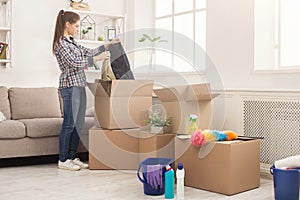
(45,181)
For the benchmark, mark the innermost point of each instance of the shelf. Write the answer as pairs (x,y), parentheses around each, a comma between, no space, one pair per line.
(90,41)
(5,61)
(96,13)
(5,28)
(6,31)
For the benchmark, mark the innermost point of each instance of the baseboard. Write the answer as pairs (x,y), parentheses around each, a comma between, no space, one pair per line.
(265,171)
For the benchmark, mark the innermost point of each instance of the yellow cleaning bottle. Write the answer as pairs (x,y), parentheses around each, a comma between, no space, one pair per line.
(193,126)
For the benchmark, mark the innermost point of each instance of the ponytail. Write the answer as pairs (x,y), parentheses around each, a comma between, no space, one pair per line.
(62,18)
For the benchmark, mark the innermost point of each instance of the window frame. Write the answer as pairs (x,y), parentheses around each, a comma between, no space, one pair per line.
(172,16)
(278,68)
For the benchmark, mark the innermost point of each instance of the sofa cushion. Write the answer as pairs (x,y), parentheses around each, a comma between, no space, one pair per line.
(11,129)
(29,103)
(42,127)
(4,102)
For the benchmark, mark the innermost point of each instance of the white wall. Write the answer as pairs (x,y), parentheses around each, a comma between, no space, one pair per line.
(33,27)
(230,45)
(230,42)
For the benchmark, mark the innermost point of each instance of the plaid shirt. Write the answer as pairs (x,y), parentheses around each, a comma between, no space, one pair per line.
(72,59)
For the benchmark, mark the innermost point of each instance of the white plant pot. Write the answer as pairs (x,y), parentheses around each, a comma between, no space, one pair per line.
(157,129)
(91,35)
(85,36)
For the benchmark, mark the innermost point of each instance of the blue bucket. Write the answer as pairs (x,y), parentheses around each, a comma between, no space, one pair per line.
(286,183)
(148,189)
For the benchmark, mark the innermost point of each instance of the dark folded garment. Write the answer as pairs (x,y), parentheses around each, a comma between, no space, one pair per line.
(119,62)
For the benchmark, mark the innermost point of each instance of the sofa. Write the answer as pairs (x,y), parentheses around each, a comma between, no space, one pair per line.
(33,122)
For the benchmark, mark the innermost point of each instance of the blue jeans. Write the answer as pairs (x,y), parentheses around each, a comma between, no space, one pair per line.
(74,104)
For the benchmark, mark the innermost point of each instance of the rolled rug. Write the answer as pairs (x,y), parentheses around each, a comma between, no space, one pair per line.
(291,162)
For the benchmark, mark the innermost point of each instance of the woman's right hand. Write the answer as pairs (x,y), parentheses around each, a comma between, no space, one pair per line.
(102,56)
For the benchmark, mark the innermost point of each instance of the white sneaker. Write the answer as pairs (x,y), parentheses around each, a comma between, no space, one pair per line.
(68,165)
(78,162)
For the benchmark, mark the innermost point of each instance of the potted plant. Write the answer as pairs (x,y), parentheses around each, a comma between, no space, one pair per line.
(85,32)
(158,123)
(151,51)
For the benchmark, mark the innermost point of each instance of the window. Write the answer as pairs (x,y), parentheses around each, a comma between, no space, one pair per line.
(185,19)
(277,34)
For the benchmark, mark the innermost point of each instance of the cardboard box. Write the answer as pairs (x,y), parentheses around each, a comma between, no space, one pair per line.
(227,167)
(113,149)
(180,101)
(156,145)
(121,104)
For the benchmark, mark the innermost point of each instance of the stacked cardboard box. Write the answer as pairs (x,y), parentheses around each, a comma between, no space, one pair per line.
(180,101)
(156,145)
(121,106)
(113,149)
(227,167)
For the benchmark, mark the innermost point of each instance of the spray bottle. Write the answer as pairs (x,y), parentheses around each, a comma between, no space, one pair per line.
(193,126)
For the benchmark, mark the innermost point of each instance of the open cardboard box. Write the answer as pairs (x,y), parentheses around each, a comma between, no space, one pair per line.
(113,149)
(226,167)
(122,104)
(180,101)
(156,145)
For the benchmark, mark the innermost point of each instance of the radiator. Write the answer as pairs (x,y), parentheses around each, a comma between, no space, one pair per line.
(275,119)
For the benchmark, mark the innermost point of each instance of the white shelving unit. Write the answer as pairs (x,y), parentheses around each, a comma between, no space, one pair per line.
(103,21)
(6,31)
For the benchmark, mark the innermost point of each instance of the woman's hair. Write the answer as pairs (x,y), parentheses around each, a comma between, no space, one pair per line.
(62,18)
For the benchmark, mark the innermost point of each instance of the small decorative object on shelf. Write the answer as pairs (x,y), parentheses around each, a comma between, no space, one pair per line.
(85,33)
(88,27)
(79,5)
(100,38)
(111,33)
(3,48)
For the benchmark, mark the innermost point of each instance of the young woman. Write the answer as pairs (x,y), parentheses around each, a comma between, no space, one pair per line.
(72,59)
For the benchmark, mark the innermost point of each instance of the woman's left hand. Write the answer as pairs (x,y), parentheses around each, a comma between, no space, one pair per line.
(115,41)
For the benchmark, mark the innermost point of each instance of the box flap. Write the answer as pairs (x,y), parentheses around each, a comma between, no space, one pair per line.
(176,93)
(197,92)
(97,89)
(200,92)
(103,89)
(124,88)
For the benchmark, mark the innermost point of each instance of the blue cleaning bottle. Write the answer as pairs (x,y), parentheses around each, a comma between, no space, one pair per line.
(169,183)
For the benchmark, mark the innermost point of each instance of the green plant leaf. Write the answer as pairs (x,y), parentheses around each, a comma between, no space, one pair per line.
(142,39)
(147,37)
(155,39)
